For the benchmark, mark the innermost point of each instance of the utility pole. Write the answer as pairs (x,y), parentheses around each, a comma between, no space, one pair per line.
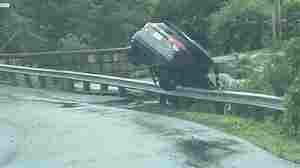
(276,20)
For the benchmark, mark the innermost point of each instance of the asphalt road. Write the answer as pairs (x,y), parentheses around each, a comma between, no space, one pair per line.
(45,129)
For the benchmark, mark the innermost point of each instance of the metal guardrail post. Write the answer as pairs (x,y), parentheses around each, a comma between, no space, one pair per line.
(55,82)
(68,85)
(6,75)
(28,80)
(42,81)
(122,92)
(86,86)
(13,78)
(104,88)
(244,98)
(3,76)
(163,100)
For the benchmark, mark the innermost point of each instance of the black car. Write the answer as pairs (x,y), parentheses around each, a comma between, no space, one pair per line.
(174,58)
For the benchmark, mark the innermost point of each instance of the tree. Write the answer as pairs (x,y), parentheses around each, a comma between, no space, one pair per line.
(112,22)
(190,15)
(240,26)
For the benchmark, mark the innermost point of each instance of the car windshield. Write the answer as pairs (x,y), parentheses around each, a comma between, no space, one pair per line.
(149,83)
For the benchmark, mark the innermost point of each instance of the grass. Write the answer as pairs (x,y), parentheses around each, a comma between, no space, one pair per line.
(266,135)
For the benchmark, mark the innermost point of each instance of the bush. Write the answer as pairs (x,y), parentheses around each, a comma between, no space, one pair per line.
(292,115)
(291,10)
(240,26)
(190,16)
(292,50)
(277,74)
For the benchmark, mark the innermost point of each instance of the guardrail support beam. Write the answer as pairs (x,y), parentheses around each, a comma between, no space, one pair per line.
(245,98)
(13,78)
(28,80)
(122,92)
(86,86)
(104,88)
(42,81)
(163,100)
(68,85)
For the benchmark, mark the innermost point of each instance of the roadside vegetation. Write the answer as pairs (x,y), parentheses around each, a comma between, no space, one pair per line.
(265,134)
(222,26)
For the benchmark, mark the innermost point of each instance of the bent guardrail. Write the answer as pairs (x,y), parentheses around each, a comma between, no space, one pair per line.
(244,98)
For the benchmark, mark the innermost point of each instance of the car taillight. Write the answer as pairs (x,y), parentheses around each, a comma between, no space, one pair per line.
(176,43)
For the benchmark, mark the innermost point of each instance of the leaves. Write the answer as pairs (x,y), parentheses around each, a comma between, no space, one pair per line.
(240,26)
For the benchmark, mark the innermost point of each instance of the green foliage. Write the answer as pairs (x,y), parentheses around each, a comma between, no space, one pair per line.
(190,15)
(271,77)
(292,115)
(277,73)
(112,22)
(97,23)
(292,50)
(266,135)
(240,26)
(220,25)
(291,10)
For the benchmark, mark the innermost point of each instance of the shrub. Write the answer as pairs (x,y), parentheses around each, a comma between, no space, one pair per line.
(292,100)
(240,26)
(190,16)
(292,115)
(291,10)
(277,74)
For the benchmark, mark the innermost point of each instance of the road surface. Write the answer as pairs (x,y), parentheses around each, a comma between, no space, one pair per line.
(45,129)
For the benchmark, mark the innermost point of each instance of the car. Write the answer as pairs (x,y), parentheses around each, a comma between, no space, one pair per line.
(172,56)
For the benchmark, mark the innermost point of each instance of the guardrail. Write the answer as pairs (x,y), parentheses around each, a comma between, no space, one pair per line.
(110,61)
(218,59)
(225,59)
(83,51)
(244,98)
